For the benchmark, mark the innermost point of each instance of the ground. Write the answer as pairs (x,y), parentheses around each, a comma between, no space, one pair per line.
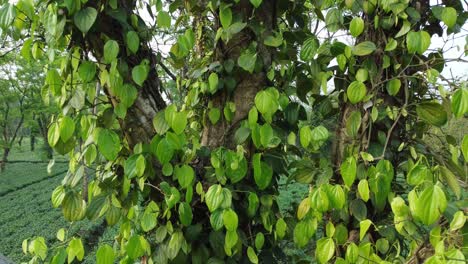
(26,208)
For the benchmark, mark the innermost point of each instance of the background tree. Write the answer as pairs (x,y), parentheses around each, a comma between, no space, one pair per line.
(196,179)
(24,111)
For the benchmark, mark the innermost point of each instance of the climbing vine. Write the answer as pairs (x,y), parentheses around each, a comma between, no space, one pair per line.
(184,148)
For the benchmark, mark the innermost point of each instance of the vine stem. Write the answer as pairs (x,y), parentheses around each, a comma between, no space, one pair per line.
(390,131)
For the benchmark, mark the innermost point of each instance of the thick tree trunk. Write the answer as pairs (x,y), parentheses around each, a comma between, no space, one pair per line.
(137,126)
(222,133)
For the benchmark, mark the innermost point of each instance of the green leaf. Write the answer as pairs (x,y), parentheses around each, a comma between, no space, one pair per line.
(230,241)
(164,19)
(241,135)
(259,240)
(139,74)
(417,174)
(336,196)
(134,247)
(108,143)
(356,92)
(275,40)
(225,16)
(148,220)
(160,124)
(464,147)
(253,116)
(90,154)
(236,28)
(460,102)
(247,60)
(7,15)
(362,75)
(281,228)
(214,197)
(266,102)
(266,134)
(458,221)
(111,50)
(250,251)
(230,219)
(72,207)
(256,3)
(364,48)
(319,134)
(262,172)
(451,180)
(325,250)
(67,128)
(334,19)
(175,244)
(185,175)
(393,87)
(449,16)
(348,171)
(135,166)
(185,214)
(97,207)
(216,219)
(253,204)
(432,113)
(105,255)
(54,81)
(309,49)
(213,81)
(53,134)
(133,41)
(363,189)
(167,169)
(303,231)
(352,253)
(391,45)
(404,29)
(353,123)
(87,71)
(418,42)
(57,196)
(363,227)
(61,234)
(356,27)
(164,151)
(39,247)
(214,114)
(179,122)
(85,18)
(431,204)
(75,250)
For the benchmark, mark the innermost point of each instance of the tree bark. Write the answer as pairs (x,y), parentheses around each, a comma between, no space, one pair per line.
(33,142)
(137,125)
(222,133)
(6,152)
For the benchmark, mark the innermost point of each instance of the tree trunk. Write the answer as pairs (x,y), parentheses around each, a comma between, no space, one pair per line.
(6,152)
(137,126)
(222,133)
(33,142)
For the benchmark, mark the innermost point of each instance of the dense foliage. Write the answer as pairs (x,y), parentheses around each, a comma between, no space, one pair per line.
(188,149)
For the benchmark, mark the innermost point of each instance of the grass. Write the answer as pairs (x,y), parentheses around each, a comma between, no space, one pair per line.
(26,210)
